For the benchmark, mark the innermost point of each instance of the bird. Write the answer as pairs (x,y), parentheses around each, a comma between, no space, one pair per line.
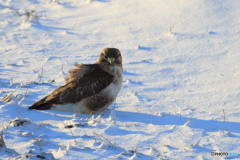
(89,88)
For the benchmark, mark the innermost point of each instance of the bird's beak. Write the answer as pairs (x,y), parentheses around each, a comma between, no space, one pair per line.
(111,60)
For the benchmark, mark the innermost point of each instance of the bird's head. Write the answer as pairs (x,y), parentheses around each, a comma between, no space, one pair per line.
(110,56)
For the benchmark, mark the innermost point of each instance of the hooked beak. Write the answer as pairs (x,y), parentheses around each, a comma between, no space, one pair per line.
(111,60)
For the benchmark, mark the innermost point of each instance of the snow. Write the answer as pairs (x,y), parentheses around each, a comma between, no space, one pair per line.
(181,81)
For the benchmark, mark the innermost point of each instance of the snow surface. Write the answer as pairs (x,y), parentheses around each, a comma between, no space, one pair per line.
(181,81)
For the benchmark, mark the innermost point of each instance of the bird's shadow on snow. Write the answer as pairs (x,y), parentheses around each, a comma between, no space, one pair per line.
(15,110)
(206,125)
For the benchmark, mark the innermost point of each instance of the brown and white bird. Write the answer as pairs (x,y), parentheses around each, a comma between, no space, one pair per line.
(89,87)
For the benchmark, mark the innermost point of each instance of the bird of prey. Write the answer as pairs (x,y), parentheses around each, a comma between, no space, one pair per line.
(89,87)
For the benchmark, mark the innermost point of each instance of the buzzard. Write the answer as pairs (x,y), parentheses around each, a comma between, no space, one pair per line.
(89,87)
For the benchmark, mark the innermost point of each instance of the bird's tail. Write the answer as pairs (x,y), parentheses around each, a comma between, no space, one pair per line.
(41,105)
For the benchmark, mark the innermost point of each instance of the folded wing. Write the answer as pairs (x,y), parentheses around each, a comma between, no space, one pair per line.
(83,82)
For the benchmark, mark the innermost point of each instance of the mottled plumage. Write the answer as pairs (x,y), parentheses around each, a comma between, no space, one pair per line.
(89,87)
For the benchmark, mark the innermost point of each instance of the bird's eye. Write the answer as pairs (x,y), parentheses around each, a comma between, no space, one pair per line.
(105,57)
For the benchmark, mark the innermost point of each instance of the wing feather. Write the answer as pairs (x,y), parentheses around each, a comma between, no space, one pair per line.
(85,81)
(79,71)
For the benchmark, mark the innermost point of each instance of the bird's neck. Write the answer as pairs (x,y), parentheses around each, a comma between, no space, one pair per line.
(113,70)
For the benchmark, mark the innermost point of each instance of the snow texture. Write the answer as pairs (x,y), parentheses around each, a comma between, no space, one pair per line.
(181,81)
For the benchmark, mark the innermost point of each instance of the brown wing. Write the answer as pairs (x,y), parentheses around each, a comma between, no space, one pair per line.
(78,72)
(92,81)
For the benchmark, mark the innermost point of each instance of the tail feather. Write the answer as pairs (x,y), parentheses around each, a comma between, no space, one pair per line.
(41,105)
